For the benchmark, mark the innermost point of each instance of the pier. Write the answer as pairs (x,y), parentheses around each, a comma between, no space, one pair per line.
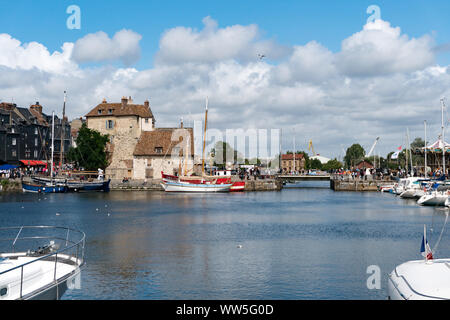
(349,184)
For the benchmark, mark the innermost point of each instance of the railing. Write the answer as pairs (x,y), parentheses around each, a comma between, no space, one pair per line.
(72,239)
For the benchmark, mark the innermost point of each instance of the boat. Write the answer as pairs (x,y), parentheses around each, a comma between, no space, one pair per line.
(237,186)
(40,262)
(42,188)
(436,197)
(173,186)
(410,186)
(172,183)
(80,186)
(426,279)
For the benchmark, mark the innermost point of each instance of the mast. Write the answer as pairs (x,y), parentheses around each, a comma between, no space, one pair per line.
(204,138)
(61,159)
(443,137)
(53,137)
(294,151)
(410,154)
(425,124)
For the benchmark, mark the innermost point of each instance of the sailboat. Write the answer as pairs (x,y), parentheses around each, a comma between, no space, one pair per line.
(51,186)
(171,183)
(438,197)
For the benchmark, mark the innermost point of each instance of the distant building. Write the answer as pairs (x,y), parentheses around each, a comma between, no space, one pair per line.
(137,149)
(364,165)
(288,164)
(75,126)
(25,134)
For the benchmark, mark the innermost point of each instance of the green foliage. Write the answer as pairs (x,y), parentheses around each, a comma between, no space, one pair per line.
(223,153)
(354,154)
(315,164)
(332,165)
(90,152)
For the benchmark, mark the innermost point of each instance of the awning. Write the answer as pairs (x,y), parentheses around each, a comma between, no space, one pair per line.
(7,167)
(33,162)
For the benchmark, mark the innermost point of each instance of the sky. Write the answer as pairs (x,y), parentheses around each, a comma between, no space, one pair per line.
(334,72)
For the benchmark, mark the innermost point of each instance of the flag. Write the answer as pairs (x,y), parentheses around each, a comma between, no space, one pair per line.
(399,148)
(425,249)
(395,155)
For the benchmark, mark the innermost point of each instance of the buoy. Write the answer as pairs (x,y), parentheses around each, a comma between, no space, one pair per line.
(239,246)
(57,214)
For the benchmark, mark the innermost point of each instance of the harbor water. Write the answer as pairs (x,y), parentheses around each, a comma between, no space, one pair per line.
(304,242)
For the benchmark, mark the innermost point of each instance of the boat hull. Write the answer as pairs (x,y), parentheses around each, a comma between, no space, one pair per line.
(88,186)
(420,280)
(432,200)
(36,188)
(190,187)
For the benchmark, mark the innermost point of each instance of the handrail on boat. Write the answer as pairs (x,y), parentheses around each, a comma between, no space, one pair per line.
(79,242)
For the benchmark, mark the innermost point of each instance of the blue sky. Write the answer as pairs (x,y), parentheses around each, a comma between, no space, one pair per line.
(289,22)
(387,78)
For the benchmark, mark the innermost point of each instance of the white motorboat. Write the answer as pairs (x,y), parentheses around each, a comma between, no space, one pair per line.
(427,279)
(420,280)
(411,186)
(43,273)
(434,198)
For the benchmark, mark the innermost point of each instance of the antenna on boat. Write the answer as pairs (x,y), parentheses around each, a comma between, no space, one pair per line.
(443,137)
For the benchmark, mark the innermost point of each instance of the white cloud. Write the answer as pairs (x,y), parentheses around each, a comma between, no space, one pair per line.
(213,44)
(31,55)
(98,47)
(381,49)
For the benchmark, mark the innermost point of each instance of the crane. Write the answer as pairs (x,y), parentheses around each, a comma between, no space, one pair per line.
(311,147)
(373,147)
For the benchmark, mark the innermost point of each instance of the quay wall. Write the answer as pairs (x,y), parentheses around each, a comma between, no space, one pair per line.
(358,185)
(155,185)
(10,185)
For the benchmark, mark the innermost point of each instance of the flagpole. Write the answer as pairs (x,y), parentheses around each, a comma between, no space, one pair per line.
(443,139)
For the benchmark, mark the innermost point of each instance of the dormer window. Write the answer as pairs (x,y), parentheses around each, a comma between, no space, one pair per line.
(158,150)
(99,111)
(110,111)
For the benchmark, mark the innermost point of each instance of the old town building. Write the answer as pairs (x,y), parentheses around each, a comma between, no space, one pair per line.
(25,135)
(291,163)
(137,149)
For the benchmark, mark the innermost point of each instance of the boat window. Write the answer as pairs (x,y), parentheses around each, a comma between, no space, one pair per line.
(3,291)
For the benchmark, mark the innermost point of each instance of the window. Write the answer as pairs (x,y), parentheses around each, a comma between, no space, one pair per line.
(14,141)
(146,120)
(12,130)
(35,131)
(99,111)
(35,154)
(158,150)
(110,111)
(3,291)
(13,153)
(35,142)
(109,124)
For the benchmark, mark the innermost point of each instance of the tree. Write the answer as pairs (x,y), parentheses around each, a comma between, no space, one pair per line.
(332,165)
(353,154)
(90,152)
(223,153)
(315,164)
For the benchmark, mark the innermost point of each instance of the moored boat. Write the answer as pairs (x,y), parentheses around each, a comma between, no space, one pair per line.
(39,262)
(173,186)
(43,188)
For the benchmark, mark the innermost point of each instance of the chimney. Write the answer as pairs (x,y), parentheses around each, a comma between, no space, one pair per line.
(130,101)
(37,107)
(181,125)
(147,104)
(124,102)
(104,100)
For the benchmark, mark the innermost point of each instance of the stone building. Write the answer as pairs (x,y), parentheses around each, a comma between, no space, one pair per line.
(288,164)
(137,150)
